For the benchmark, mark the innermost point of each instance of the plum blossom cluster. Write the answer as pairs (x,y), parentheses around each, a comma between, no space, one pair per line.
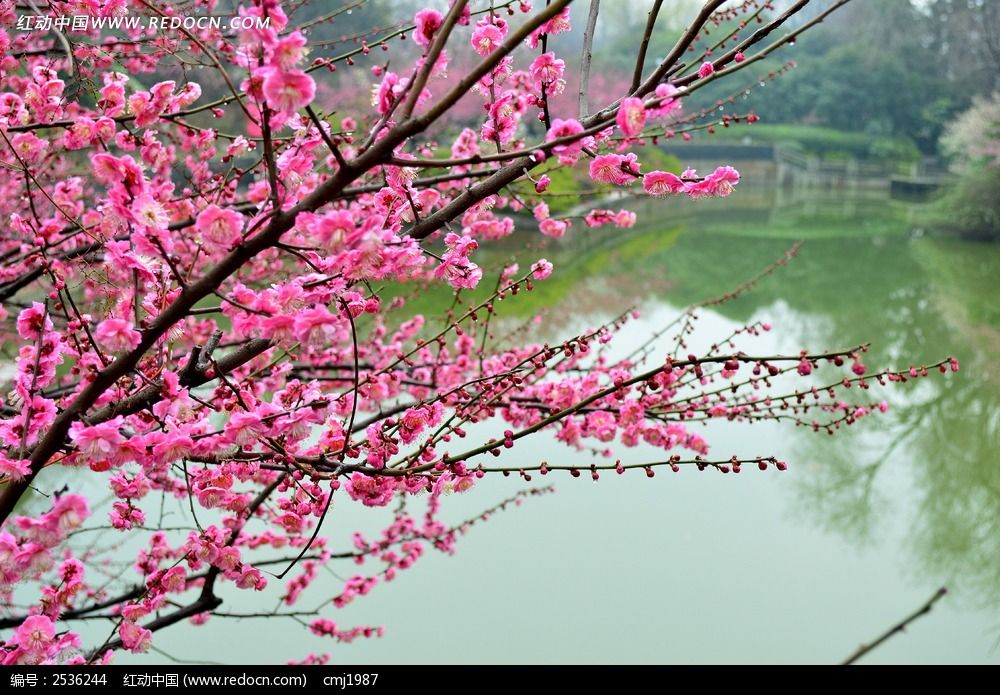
(719,184)
(30,552)
(216,296)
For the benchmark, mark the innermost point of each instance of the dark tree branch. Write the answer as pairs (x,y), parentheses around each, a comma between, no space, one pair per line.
(640,61)
(898,628)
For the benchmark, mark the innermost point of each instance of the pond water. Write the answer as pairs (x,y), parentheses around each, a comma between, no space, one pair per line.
(800,566)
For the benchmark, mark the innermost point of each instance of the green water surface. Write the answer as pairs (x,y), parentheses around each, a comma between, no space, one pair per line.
(800,566)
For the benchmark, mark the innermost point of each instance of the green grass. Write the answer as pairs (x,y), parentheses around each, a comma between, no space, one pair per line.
(827,143)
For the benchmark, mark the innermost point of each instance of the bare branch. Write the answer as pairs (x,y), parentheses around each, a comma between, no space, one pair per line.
(898,628)
(585,55)
(640,61)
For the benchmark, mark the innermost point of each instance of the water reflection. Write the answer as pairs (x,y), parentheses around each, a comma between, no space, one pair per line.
(864,273)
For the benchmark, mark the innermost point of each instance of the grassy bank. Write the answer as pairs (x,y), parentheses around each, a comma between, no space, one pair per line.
(826,143)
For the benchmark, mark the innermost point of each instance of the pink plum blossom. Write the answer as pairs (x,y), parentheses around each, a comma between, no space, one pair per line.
(427,22)
(219,228)
(117,335)
(631,116)
(287,91)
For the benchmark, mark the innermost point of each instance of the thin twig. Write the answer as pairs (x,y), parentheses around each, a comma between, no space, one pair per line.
(896,629)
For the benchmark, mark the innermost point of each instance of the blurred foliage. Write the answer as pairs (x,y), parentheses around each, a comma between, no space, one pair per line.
(843,89)
(973,139)
(971,206)
(886,68)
